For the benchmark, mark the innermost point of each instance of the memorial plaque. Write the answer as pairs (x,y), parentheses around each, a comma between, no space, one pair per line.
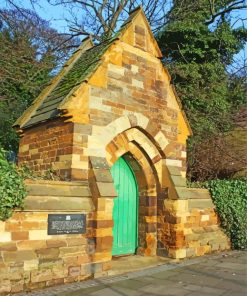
(66,224)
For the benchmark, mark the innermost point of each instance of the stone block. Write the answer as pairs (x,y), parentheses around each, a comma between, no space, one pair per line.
(174,170)
(200,204)
(55,282)
(74,270)
(193,193)
(56,189)
(20,235)
(19,256)
(51,253)
(103,175)
(99,162)
(30,265)
(137,83)
(177,254)
(82,259)
(5,287)
(82,129)
(58,203)
(106,189)
(17,287)
(38,276)
(79,241)
(192,237)
(59,272)
(38,235)
(190,252)
(176,206)
(205,218)
(11,246)
(5,237)
(68,251)
(179,181)
(31,245)
(56,243)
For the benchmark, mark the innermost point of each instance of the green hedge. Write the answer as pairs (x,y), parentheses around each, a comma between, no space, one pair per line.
(12,188)
(230,199)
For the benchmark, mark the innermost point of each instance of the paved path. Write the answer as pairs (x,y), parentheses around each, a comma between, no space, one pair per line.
(222,274)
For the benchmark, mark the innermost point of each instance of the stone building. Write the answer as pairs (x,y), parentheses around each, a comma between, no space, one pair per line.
(112,127)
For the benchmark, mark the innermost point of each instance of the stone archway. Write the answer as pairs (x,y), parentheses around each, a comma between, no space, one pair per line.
(138,139)
(127,145)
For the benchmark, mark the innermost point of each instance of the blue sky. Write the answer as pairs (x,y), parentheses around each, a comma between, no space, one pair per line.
(56,15)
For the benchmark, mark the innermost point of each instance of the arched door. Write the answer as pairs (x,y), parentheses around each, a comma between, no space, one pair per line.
(125,209)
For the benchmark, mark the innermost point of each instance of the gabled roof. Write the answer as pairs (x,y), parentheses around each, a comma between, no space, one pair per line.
(82,64)
(46,106)
(82,68)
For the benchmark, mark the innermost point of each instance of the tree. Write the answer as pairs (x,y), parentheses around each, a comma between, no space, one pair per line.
(101,18)
(199,44)
(29,51)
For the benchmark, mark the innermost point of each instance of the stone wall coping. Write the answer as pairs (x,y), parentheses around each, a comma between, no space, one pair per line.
(192,193)
(58,203)
(53,182)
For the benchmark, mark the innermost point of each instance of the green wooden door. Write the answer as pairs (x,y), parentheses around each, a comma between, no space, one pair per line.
(125,209)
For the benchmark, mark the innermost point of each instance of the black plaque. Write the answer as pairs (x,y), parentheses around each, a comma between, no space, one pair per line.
(66,224)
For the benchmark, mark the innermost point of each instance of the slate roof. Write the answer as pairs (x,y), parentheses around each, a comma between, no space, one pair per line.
(85,65)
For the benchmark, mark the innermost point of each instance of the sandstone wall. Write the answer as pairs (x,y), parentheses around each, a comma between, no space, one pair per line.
(32,259)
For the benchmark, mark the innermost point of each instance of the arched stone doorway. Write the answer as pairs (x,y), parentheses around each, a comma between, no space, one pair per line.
(125,146)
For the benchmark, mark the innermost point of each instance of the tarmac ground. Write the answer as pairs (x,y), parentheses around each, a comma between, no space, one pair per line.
(218,274)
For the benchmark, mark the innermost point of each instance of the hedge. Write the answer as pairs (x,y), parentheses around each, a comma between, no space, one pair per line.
(230,199)
(12,187)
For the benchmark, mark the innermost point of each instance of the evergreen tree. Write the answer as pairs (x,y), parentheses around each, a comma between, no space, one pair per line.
(198,49)
(29,51)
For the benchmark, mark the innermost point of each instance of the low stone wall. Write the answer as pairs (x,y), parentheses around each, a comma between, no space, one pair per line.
(32,259)
(186,222)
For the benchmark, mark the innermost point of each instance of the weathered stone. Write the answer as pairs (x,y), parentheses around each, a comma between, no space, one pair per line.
(200,204)
(106,189)
(99,162)
(179,181)
(76,241)
(190,252)
(68,251)
(55,243)
(193,193)
(20,235)
(5,286)
(51,253)
(19,256)
(31,245)
(103,175)
(58,203)
(58,189)
(38,276)
(74,270)
(11,246)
